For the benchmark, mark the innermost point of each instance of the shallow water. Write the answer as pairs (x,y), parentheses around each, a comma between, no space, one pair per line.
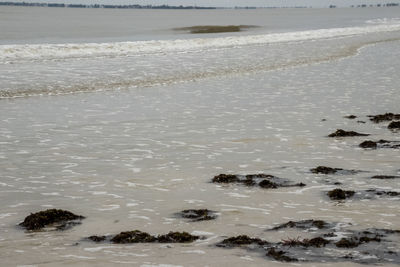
(129,157)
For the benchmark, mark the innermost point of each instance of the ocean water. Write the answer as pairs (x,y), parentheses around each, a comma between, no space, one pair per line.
(115,116)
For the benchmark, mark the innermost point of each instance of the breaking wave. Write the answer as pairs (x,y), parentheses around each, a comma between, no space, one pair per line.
(15,53)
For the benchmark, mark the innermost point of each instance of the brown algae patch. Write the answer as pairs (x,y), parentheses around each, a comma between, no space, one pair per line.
(377,192)
(241,240)
(343,133)
(339,194)
(329,170)
(198,214)
(214,28)
(384,117)
(325,170)
(363,237)
(313,242)
(332,247)
(369,144)
(350,117)
(177,237)
(262,180)
(385,177)
(137,236)
(225,178)
(394,125)
(279,255)
(304,224)
(51,217)
(355,241)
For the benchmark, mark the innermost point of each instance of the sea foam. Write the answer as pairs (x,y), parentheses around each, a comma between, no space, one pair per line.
(12,53)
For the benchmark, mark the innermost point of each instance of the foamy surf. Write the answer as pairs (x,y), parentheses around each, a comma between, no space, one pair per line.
(15,53)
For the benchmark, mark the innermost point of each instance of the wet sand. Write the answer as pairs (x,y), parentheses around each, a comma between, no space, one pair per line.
(132,159)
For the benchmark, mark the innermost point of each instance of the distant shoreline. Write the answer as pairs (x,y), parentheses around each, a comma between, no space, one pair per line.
(62,5)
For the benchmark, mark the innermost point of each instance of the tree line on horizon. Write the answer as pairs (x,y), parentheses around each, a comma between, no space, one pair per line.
(137,6)
(102,6)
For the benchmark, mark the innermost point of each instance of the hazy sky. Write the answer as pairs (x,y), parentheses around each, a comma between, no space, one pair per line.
(225,3)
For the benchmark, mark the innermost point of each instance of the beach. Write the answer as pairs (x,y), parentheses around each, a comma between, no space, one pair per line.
(129,128)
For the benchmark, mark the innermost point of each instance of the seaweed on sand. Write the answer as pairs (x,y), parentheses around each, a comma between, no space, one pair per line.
(313,242)
(343,133)
(368,144)
(383,192)
(240,241)
(385,177)
(177,237)
(137,236)
(260,179)
(355,241)
(304,224)
(380,144)
(384,117)
(198,214)
(394,125)
(279,255)
(329,170)
(339,194)
(225,178)
(325,170)
(351,117)
(334,246)
(41,219)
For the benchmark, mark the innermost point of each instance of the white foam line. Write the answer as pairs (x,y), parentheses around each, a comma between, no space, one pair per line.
(9,53)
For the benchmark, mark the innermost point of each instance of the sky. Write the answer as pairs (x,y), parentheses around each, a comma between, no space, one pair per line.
(225,3)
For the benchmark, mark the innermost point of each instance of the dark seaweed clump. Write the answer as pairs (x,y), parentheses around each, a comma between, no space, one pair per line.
(380,144)
(325,170)
(383,193)
(384,117)
(339,194)
(279,255)
(198,215)
(347,243)
(384,177)
(355,241)
(39,220)
(304,224)
(343,133)
(240,241)
(225,178)
(329,170)
(394,125)
(368,144)
(313,242)
(142,237)
(260,179)
(351,117)
(177,237)
(319,248)
(268,184)
(133,237)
